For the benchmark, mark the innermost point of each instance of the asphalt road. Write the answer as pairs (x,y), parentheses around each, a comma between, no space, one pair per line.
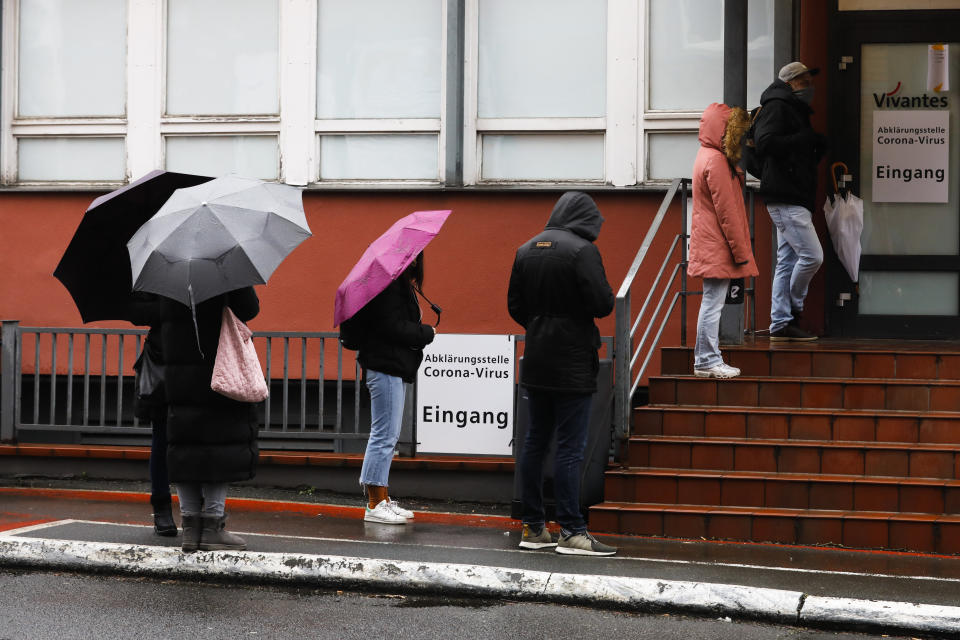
(63,606)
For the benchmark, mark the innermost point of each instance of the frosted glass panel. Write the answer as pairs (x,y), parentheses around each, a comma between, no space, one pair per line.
(222,60)
(542,157)
(542,58)
(908,293)
(252,156)
(376,157)
(72,58)
(70,159)
(895,228)
(686,54)
(671,155)
(760,71)
(379,59)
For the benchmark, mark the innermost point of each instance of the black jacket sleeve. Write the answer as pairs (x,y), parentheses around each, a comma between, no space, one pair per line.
(146,309)
(244,303)
(515,298)
(592,282)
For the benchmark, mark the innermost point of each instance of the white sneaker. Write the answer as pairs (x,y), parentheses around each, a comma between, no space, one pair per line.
(383,514)
(721,370)
(400,511)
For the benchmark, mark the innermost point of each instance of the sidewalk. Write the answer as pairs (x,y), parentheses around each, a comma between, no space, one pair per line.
(476,554)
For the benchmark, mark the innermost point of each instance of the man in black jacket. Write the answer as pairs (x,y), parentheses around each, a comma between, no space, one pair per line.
(557,288)
(790,150)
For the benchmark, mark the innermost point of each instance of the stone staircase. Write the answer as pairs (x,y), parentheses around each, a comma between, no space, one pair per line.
(845,443)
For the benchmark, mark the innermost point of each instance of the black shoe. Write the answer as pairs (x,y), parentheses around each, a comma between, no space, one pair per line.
(791,333)
(163,524)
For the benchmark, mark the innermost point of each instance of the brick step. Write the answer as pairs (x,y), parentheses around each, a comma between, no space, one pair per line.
(864,529)
(810,424)
(818,393)
(783,490)
(825,361)
(788,456)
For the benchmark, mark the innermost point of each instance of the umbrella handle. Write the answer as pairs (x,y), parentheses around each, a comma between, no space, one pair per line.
(435,308)
(833,174)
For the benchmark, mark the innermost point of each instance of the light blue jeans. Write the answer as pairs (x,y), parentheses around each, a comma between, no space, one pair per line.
(208,498)
(706,351)
(799,255)
(386,418)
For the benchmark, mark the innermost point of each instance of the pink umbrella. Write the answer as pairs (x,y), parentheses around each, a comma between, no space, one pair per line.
(385,259)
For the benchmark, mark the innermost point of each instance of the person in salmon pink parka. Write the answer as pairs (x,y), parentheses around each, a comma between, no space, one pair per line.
(719,232)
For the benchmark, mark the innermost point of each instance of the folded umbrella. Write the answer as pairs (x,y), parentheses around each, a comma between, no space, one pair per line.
(222,235)
(95,268)
(844,216)
(384,260)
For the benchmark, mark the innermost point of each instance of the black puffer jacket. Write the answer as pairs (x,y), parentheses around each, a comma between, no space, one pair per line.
(393,336)
(788,146)
(210,438)
(557,287)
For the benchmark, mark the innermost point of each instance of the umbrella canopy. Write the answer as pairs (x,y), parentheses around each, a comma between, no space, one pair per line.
(225,234)
(95,268)
(844,216)
(384,261)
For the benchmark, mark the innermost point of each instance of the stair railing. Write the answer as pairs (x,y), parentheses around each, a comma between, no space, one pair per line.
(627,353)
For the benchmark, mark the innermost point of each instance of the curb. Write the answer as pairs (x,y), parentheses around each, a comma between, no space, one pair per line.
(635,594)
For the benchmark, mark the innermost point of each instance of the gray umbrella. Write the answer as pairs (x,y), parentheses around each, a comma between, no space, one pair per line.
(218,236)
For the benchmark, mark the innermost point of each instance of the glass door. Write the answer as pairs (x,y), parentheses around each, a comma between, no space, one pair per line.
(902,150)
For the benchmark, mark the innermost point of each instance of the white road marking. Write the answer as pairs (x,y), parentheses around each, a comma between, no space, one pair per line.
(35,527)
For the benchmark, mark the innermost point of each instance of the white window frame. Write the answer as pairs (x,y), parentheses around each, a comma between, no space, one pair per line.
(618,125)
(625,125)
(361,126)
(14,127)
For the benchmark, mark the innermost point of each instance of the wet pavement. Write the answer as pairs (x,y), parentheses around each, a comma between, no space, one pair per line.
(477,539)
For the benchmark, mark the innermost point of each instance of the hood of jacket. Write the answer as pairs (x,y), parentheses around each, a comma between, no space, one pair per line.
(780,90)
(578,213)
(713,122)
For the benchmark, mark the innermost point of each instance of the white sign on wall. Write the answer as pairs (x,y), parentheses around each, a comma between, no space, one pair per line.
(911,156)
(465,395)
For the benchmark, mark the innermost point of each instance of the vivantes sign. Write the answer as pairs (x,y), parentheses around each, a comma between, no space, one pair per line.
(465,395)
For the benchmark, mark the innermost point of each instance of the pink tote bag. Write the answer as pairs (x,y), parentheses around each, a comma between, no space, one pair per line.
(236,371)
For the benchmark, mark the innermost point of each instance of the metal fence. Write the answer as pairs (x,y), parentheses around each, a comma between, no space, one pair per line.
(77,384)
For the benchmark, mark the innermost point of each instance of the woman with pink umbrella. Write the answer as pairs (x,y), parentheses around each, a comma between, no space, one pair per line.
(377,307)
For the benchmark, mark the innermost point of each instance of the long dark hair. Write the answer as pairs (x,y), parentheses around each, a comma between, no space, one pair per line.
(414,272)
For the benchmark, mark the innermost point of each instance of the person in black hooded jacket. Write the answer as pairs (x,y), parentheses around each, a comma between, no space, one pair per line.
(790,150)
(557,287)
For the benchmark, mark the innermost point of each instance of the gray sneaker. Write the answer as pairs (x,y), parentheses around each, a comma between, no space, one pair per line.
(583,544)
(536,540)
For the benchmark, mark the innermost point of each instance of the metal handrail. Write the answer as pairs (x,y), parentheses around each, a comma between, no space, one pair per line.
(626,356)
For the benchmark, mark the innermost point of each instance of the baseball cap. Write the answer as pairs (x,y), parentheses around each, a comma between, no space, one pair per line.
(794,69)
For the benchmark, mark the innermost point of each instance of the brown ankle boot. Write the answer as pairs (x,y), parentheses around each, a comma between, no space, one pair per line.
(214,538)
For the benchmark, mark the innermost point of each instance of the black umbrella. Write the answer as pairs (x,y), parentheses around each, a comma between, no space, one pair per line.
(95,268)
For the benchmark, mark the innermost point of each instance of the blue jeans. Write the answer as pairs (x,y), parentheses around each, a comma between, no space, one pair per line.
(706,351)
(386,418)
(799,255)
(567,414)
